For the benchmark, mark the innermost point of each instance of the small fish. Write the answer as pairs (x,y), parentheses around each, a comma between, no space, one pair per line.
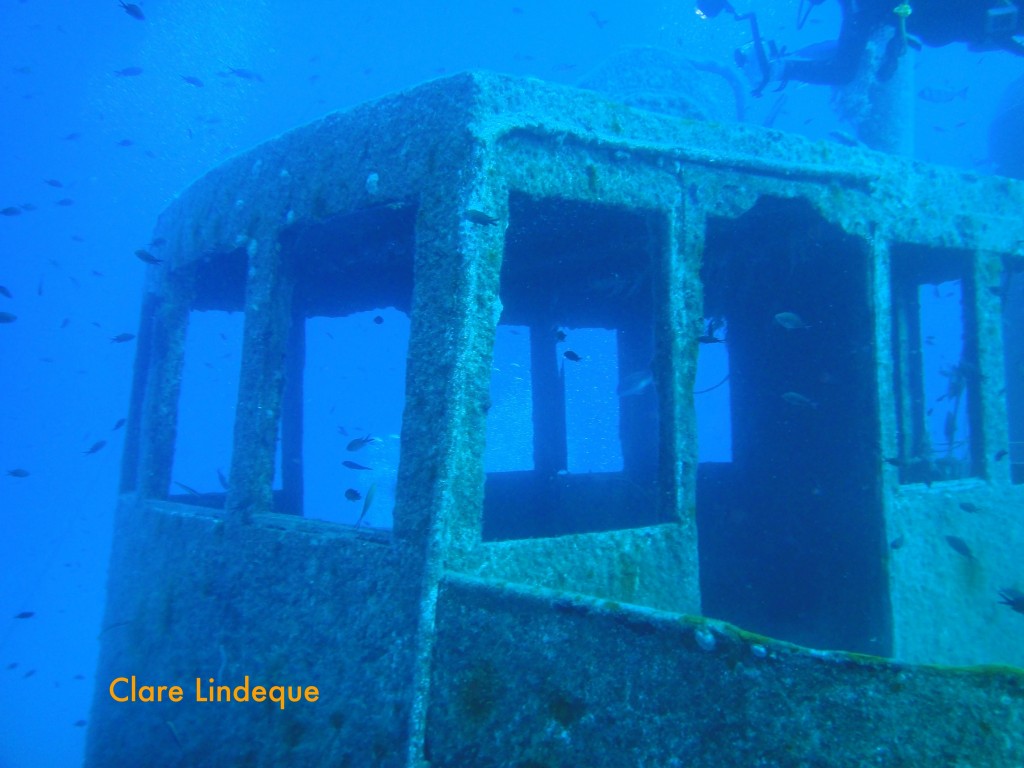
(65,202)
(157,242)
(56,183)
(187,489)
(360,442)
(353,465)
(192,80)
(378,320)
(79,723)
(342,431)
(791,321)
(125,143)
(598,20)
(570,355)
(366,503)
(25,615)
(4,291)
(968,506)
(148,257)
(897,543)
(1013,598)
(7,317)
(246,74)
(121,338)
(74,136)
(222,479)
(635,383)
(941,95)
(560,335)
(18,472)
(118,424)
(706,339)
(479,217)
(12,665)
(352,494)
(894,462)
(10,211)
(801,401)
(1001,454)
(95,447)
(133,10)
(960,546)
(129,72)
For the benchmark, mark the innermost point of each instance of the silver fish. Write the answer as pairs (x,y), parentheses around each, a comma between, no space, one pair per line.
(791,321)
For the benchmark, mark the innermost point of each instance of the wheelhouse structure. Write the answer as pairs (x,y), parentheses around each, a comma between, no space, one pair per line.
(415,420)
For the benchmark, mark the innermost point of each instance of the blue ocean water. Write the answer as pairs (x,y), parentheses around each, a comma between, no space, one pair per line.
(105,117)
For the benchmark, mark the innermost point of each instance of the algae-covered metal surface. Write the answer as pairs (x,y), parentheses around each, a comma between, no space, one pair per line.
(528,613)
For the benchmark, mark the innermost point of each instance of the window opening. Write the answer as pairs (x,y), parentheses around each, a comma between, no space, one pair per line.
(354,392)
(509,446)
(206,407)
(789,511)
(572,433)
(592,399)
(1011,291)
(935,366)
(344,390)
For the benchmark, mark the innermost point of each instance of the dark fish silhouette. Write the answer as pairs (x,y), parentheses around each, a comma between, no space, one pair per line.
(133,10)
(570,355)
(25,615)
(148,257)
(960,546)
(352,494)
(7,317)
(222,479)
(353,465)
(479,217)
(192,80)
(1013,598)
(187,489)
(53,183)
(10,211)
(18,472)
(117,425)
(377,320)
(121,338)
(245,74)
(360,442)
(5,292)
(129,72)
(95,447)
